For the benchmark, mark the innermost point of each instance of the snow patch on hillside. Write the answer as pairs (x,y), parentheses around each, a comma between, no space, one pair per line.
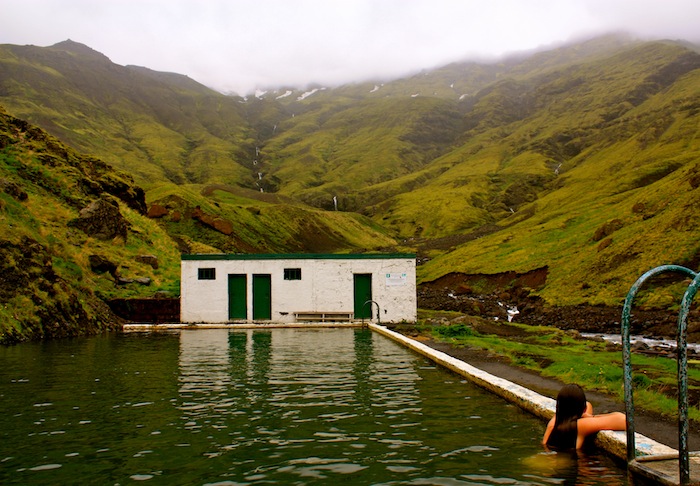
(309,93)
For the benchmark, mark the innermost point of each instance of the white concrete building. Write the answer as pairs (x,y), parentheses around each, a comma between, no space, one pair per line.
(218,288)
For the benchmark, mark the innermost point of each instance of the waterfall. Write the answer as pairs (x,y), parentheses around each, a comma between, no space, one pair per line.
(335,202)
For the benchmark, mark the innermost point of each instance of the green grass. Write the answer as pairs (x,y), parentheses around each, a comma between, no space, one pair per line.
(566,357)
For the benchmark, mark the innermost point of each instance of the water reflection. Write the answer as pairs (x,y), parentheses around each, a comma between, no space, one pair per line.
(570,468)
(312,405)
(261,406)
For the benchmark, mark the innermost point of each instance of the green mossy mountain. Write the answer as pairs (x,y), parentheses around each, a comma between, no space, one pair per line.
(582,160)
(76,234)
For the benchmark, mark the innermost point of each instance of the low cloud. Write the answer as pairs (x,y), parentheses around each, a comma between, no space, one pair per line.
(242,45)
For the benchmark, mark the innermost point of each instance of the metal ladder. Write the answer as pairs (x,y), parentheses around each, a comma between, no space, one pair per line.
(370,302)
(683,454)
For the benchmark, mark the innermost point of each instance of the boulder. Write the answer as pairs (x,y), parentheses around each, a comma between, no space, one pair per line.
(151,260)
(157,211)
(101,219)
(100,264)
(138,280)
(122,186)
(219,224)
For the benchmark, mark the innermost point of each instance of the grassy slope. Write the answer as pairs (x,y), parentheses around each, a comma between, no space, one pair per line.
(547,149)
(343,149)
(169,131)
(643,177)
(47,286)
(156,127)
(264,223)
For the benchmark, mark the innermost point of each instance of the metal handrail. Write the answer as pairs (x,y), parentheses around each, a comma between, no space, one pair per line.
(370,302)
(681,345)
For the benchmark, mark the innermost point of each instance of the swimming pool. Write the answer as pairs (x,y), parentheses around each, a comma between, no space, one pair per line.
(279,406)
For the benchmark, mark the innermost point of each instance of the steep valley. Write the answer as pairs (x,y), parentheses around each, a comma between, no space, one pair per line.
(578,166)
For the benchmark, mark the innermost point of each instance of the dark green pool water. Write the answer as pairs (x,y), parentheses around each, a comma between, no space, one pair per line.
(279,406)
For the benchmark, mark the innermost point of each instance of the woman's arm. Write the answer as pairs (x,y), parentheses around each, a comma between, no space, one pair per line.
(607,421)
(548,431)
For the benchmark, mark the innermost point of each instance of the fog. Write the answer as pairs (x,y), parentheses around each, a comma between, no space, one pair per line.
(243,45)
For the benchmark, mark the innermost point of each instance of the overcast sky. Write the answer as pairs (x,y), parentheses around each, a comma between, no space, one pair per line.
(240,45)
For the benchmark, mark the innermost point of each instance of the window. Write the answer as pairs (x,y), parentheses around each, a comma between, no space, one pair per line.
(206,273)
(292,273)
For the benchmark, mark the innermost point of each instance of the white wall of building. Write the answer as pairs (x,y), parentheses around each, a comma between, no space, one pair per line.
(326,285)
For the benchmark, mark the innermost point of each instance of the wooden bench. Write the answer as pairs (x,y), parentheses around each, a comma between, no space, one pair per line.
(320,316)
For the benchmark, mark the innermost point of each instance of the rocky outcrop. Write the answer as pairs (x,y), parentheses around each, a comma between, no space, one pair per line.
(151,260)
(43,293)
(100,264)
(88,177)
(147,310)
(219,224)
(124,189)
(157,211)
(138,280)
(101,219)
(509,295)
(12,189)
(41,303)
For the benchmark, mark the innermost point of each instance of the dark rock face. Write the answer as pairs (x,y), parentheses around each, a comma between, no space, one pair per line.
(101,219)
(51,308)
(132,195)
(23,265)
(13,189)
(100,264)
(510,292)
(151,260)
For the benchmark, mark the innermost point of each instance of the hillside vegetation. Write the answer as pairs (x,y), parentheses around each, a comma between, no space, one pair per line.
(581,161)
(75,234)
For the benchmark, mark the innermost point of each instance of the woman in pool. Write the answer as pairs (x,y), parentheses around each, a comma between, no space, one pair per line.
(574,420)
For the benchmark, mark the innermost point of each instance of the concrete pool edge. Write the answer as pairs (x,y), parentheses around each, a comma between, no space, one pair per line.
(612,442)
(135,326)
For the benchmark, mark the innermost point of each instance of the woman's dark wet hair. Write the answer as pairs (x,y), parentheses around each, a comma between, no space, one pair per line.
(571,404)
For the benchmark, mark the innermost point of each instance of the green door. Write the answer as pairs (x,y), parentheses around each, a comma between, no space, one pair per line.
(363,293)
(237,297)
(262,298)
